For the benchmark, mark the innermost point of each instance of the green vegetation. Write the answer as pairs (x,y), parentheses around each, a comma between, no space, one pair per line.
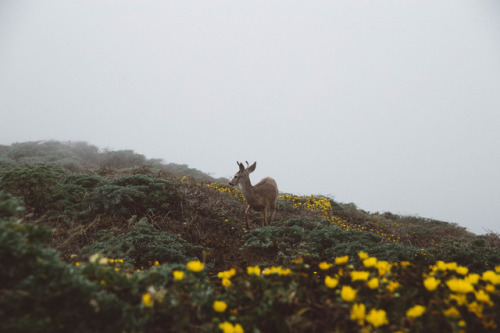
(96,241)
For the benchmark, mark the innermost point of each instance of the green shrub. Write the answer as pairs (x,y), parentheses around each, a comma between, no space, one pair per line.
(143,245)
(134,195)
(319,240)
(42,294)
(35,184)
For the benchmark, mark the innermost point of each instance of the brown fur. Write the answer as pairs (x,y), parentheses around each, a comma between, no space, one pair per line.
(260,197)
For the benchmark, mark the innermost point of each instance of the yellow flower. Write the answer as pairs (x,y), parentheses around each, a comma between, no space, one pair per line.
(341,260)
(497,269)
(348,294)
(195,266)
(178,275)
(324,266)
(227,327)
(392,286)
(483,297)
(431,283)
(359,275)
(472,278)
(373,283)
(370,262)
(227,274)
(459,286)
(77,264)
(461,299)
(255,270)
(147,300)
(358,312)
(157,263)
(383,267)
(475,308)
(491,277)
(452,312)
(377,318)
(226,282)
(220,306)
(462,270)
(331,282)
(362,255)
(415,311)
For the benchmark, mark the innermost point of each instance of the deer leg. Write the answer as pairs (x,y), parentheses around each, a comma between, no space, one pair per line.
(265,216)
(273,206)
(246,216)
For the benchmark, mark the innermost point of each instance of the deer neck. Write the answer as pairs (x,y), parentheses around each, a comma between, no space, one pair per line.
(246,188)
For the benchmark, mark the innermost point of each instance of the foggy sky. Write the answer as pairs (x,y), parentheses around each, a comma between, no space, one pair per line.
(393,105)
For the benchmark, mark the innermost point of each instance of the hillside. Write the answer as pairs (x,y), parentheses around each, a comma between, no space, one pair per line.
(140,221)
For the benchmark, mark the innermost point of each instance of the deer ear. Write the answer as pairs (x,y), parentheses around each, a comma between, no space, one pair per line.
(252,167)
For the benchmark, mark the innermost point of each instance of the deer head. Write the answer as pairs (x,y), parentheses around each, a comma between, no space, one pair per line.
(243,174)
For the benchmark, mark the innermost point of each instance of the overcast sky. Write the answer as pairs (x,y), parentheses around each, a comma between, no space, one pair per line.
(393,105)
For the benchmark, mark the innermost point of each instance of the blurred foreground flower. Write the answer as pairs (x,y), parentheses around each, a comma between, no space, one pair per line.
(227,327)
(220,306)
(195,266)
(377,318)
(147,300)
(415,311)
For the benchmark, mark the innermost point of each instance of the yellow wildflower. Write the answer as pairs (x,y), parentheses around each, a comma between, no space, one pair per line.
(383,267)
(491,277)
(373,283)
(483,297)
(377,318)
(462,270)
(348,294)
(358,312)
(415,311)
(227,274)
(490,288)
(362,255)
(459,286)
(392,286)
(227,327)
(431,283)
(341,260)
(476,309)
(370,262)
(331,282)
(147,300)
(324,265)
(452,312)
(359,275)
(255,270)
(195,266)
(77,264)
(178,275)
(497,269)
(472,278)
(461,299)
(226,282)
(220,306)
(157,263)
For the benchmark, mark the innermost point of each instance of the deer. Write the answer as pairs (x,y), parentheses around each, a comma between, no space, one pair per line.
(260,197)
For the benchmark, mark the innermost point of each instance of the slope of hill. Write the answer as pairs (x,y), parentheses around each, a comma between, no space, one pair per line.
(101,244)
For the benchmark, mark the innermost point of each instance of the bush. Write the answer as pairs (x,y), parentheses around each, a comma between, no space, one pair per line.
(143,245)
(42,294)
(134,195)
(35,184)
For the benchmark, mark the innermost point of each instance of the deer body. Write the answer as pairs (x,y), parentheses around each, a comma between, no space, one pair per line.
(260,197)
